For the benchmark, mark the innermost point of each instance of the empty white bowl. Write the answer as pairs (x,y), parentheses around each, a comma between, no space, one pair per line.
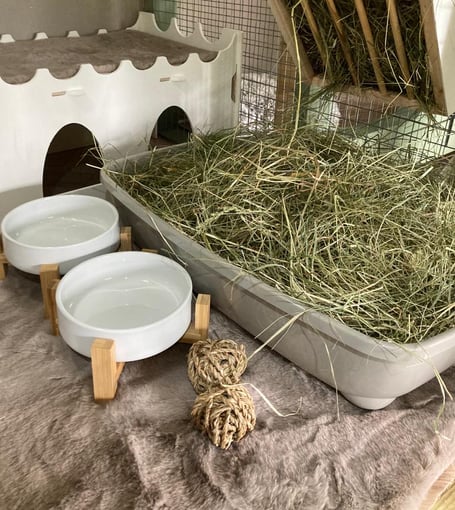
(140,300)
(62,229)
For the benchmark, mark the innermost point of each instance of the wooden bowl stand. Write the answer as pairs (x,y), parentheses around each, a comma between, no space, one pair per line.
(3,261)
(106,369)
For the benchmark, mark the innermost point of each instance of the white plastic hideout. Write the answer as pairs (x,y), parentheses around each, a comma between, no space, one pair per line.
(120,108)
(62,229)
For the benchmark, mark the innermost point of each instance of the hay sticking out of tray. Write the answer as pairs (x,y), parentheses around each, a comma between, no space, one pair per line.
(367,239)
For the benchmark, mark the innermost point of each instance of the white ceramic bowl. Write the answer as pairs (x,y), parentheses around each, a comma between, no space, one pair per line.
(62,229)
(140,300)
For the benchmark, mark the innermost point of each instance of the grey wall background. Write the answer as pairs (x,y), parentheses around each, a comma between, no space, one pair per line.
(24,18)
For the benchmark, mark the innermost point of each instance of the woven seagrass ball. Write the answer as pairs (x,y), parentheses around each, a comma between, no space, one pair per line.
(224,414)
(215,362)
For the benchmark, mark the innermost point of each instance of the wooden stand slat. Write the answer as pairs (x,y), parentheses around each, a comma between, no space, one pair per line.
(3,261)
(202,315)
(200,329)
(366,29)
(48,274)
(3,266)
(293,44)
(342,38)
(52,289)
(105,369)
(191,336)
(399,45)
(306,6)
(285,89)
(126,239)
(434,62)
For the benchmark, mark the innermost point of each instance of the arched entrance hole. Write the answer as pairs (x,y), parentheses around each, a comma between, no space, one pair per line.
(67,166)
(172,127)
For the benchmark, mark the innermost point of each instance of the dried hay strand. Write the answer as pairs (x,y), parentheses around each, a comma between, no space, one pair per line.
(366,238)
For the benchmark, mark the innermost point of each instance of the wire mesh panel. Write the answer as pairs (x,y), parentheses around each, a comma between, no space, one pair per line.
(269,81)
(381,126)
(264,57)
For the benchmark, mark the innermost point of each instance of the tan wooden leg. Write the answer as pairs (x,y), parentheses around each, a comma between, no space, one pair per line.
(48,273)
(3,261)
(202,315)
(3,266)
(200,329)
(126,239)
(105,369)
(52,289)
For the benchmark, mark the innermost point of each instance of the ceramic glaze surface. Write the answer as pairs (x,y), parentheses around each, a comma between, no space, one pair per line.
(142,301)
(58,231)
(125,301)
(63,229)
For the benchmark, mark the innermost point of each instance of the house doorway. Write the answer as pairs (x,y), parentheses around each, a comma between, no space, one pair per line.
(172,127)
(72,161)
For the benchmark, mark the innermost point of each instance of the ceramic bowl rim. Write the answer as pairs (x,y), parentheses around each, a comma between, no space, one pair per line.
(114,225)
(131,330)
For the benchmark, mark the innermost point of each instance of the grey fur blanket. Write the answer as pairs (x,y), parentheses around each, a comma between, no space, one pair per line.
(60,450)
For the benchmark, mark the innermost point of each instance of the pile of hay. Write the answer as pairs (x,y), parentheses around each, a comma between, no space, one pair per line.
(368,239)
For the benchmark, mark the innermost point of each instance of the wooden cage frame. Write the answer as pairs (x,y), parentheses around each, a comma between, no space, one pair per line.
(298,54)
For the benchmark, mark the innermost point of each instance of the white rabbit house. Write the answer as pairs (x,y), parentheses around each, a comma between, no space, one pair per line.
(110,87)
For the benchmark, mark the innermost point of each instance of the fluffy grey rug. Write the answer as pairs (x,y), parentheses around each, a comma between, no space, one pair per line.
(60,450)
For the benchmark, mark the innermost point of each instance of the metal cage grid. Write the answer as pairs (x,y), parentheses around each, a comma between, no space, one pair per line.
(264,57)
(383,126)
(268,84)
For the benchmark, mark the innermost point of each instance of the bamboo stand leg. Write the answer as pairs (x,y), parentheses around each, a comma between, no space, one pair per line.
(3,261)
(105,369)
(200,329)
(51,290)
(48,273)
(126,239)
(3,266)
(202,315)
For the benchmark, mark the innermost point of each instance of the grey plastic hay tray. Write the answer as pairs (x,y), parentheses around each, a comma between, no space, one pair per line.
(368,372)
